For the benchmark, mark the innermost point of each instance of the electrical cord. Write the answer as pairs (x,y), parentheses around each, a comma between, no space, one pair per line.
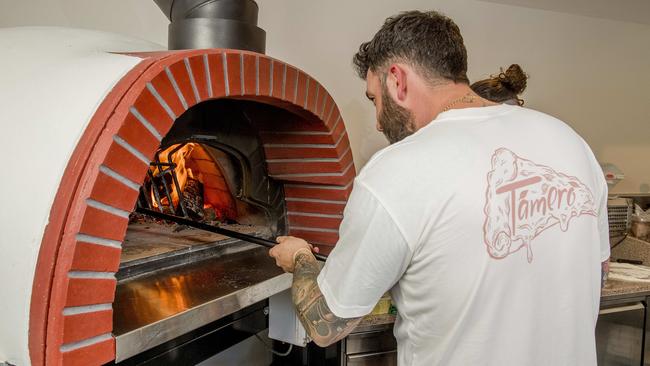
(281,354)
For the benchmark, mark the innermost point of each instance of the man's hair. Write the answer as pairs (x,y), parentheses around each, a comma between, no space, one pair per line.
(428,41)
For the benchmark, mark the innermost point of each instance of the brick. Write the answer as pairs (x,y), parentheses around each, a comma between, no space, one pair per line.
(126,164)
(299,152)
(277,138)
(215,182)
(306,167)
(90,291)
(113,192)
(279,168)
(134,132)
(200,79)
(314,221)
(323,98)
(342,146)
(265,75)
(182,78)
(332,118)
(314,95)
(338,130)
(87,325)
(316,207)
(317,193)
(250,75)
(319,179)
(95,257)
(153,111)
(207,166)
(164,87)
(279,68)
(216,75)
(290,84)
(315,237)
(302,90)
(103,224)
(289,124)
(329,107)
(95,354)
(234,73)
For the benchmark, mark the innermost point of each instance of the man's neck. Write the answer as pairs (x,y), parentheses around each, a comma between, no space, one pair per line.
(447,97)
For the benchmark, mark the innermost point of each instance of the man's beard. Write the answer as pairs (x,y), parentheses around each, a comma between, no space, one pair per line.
(396,122)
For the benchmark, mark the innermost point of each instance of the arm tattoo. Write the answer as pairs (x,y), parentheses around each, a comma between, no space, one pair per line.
(604,271)
(321,324)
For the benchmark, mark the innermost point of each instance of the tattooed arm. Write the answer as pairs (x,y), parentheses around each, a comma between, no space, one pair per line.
(321,324)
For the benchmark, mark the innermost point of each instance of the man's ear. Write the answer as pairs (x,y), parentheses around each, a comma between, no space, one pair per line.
(396,80)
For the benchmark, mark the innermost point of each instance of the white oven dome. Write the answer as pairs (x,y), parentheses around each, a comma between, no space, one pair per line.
(52,81)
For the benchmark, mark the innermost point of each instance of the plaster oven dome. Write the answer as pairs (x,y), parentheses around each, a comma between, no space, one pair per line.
(83,114)
(52,81)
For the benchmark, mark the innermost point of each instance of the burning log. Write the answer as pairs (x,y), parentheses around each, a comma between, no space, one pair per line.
(193,198)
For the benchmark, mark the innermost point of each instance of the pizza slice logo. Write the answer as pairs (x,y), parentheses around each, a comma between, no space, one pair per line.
(523,199)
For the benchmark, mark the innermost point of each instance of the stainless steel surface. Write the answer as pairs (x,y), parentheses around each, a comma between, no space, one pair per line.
(388,358)
(368,348)
(153,309)
(213,24)
(370,342)
(619,335)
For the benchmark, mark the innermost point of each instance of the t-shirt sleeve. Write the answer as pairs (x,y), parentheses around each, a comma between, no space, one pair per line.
(369,258)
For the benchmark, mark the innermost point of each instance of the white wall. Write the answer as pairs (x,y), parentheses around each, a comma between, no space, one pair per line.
(591,72)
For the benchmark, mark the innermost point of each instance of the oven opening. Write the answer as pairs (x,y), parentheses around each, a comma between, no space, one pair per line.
(211,169)
(198,182)
(175,279)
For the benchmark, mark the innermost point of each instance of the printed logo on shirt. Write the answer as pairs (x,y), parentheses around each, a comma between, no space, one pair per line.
(523,199)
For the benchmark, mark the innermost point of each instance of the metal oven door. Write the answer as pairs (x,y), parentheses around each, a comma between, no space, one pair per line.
(619,335)
(372,348)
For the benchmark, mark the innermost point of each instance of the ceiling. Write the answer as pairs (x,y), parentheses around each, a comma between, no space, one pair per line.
(635,11)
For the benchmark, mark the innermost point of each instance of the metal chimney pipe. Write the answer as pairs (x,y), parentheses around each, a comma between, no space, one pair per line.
(199,24)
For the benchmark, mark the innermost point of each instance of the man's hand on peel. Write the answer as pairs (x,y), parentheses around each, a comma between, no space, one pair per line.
(285,252)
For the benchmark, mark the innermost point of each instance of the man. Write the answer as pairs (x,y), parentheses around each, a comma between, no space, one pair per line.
(487,222)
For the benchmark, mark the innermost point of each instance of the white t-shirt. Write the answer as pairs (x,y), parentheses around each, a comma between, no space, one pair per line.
(488,226)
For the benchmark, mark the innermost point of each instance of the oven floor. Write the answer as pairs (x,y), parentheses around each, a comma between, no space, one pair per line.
(147,239)
(160,295)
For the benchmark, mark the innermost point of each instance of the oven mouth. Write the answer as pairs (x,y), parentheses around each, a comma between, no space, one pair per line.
(203,181)
(210,168)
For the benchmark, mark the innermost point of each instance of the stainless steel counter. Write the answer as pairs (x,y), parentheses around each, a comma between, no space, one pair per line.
(154,309)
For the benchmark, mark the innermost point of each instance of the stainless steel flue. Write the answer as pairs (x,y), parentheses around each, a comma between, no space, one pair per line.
(199,24)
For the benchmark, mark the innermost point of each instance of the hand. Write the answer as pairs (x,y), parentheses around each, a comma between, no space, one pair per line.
(285,251)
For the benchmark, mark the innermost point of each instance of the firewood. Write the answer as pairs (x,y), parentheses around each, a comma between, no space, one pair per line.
(193,198)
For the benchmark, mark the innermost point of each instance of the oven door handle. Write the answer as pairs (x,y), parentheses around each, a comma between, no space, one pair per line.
(215,229)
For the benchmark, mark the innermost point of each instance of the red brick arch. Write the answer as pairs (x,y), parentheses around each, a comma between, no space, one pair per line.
(74,284)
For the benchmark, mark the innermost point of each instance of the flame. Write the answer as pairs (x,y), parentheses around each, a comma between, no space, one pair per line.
(179,159)
(191,160)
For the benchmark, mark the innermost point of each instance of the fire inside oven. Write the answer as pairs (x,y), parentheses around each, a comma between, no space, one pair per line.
(198,182)
(210,169)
